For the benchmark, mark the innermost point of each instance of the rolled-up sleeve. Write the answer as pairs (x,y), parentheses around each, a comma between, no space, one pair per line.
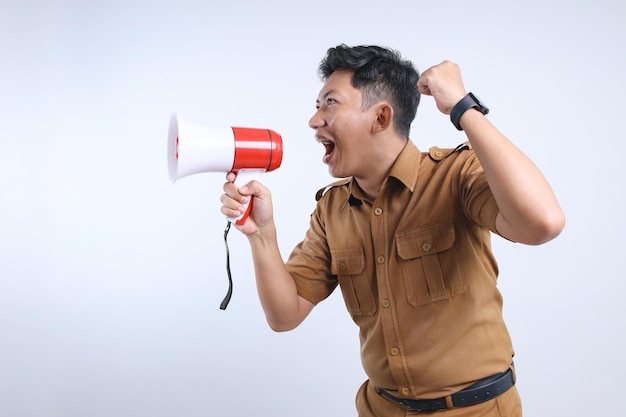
(476,197)
(310,263)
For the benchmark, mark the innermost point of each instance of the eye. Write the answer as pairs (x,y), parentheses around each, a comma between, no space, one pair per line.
(328,102)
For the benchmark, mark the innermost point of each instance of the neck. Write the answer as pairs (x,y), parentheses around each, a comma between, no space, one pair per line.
(372,181)
(370,187)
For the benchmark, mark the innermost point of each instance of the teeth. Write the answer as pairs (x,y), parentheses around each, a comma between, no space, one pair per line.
(329,145)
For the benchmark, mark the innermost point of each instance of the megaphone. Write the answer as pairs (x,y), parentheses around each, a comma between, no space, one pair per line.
(248,152)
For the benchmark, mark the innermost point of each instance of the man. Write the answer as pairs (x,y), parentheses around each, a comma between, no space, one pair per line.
(406,235)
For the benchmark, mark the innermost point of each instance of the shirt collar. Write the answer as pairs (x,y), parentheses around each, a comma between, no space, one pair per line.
(404,169)
(407,165)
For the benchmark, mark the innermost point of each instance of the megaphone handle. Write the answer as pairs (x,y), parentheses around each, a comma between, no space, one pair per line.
(244,176)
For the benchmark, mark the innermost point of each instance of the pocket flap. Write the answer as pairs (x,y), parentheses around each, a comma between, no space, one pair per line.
(347,261)
(426,240)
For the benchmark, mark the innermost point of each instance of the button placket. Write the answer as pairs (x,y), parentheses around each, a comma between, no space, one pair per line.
(382,248)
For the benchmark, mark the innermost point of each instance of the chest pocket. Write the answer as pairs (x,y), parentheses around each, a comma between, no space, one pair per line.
(429,263)
(349,267)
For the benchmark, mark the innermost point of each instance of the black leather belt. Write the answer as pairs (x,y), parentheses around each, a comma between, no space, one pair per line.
(483,390)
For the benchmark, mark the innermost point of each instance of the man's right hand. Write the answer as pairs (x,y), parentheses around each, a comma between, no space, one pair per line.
(233,205)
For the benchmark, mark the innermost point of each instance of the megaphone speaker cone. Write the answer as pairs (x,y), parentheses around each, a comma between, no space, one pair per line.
(193,149)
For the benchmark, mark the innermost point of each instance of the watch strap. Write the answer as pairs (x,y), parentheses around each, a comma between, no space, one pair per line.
(466,103)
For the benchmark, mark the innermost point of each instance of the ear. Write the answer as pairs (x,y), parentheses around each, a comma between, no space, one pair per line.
(384,117)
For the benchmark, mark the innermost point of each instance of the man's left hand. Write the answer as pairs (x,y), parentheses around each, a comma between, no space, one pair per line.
(444,83)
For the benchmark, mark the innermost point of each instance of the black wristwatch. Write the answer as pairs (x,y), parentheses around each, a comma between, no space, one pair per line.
(467,102)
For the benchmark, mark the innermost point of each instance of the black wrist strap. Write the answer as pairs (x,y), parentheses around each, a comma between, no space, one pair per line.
(466,103)
(230,278)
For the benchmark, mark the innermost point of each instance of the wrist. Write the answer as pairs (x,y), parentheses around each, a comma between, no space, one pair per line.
(264,235)
(470,101)
(470,116)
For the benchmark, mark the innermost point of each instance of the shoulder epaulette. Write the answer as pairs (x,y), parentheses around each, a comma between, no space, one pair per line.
(437,154)
(320,193)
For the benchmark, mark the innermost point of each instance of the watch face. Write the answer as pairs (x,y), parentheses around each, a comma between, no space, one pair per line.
(476,99)
(481,106)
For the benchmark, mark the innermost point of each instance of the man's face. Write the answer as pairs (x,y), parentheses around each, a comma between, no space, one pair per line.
(343,127)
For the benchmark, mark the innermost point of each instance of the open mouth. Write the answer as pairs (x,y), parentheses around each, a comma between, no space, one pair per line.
(329,146)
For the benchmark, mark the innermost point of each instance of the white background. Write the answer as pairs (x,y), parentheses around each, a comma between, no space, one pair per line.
(111,277)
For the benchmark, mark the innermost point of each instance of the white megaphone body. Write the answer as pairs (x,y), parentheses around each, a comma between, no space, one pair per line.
(249,152)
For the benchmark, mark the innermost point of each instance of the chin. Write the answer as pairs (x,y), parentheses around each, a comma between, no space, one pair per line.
(337,171)
(332,172)
(337,174)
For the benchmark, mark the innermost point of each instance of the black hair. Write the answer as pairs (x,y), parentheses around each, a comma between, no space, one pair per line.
(380,74)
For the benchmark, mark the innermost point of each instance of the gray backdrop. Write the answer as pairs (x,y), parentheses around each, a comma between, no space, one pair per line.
(111,277)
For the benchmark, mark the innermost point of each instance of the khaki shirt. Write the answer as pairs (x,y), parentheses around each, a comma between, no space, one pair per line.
(416,271)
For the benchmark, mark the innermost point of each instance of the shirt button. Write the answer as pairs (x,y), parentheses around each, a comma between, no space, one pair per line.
(405,391)
(381,259)
(395,351)
(427,246)
(342,266)
(378,211)
(386,303)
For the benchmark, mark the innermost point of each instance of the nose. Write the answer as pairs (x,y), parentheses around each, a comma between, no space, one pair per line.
(316,121)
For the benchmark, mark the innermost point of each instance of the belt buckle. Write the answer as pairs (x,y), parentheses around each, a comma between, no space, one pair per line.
(408,407)
(424,405)
(415,405)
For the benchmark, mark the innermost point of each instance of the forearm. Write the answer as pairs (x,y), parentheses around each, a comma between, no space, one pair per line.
(284,308)
(529,210)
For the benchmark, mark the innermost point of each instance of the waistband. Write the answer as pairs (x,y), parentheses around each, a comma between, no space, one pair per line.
(484,390)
